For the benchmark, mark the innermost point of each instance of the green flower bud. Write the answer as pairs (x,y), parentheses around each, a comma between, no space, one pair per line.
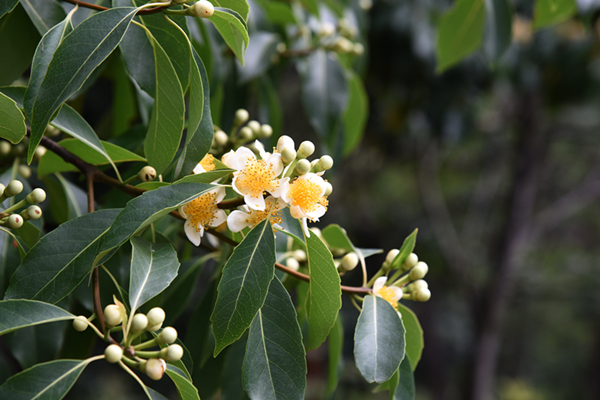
(328,188)
(255,126)
(410,262)
(418,271)
(167,335)
(349,262)
(147,174)
(326,162)
(265,131)
(14,187)
(155,367)
(24,171)
(422,294)
(174,353)
(391,255)
(36,196)
(306,149)
(416,285)
(139,322)
(241,116)
(156,316)
(113,353)
(292,263)
(246,134)
(285,142)
(5,148)
(281,47)
(203,9)
(326,29)
(221,138)
(288,154)
(302,167)
(15,221)
(112,315)
(342,45)
(80,324)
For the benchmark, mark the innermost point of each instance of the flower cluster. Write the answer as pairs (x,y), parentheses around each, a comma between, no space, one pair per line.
(15,221)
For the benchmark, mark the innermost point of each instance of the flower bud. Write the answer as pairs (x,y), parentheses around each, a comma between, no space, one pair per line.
(154,328)
(326,162)
(155,367)
(221,137)
(349,262)
(80,323)
(113,353)
(410,261)
(33,212)
(265,131)
(246,134)
(5,147)
(328,188)
(288,154)
(300,255)
(342,45)
(156,316)
(139,322)
(167,335)
(292,263)
(302,167)
(147,174)
(112,315)
(391,255)
(241,116)
(203,9)
(174,353)
(24,171)
(317,232)
(281,47)
(40,151)
(51,131)
(416,285)
(358,49)
(365,5)
(255,126)
(422,294)
(14,187)
(36,196)
(326,29)
(418,271)
(283,142)
(306,149)
(15,221)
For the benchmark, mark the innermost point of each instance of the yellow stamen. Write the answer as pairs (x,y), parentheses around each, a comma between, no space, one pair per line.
(388,295)
(202,210)
(208,162)
(255,217)
(256,178)
(306,195)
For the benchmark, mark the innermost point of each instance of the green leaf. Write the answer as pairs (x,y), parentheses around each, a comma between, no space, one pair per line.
(278,12)
(17,314)
(407,247)
(459,33)
(406,384)
(7,6)
(44,13)
(19,38)
(47,381)
(244,285)
(325,293)
(261,49)
(312,6)
(28,233)
(378,340)
(232,387)
(4,250)
(185,389)
(153,268)
(12,121)
(232,28)
(167,119)
(275,364)
(138,54)
(290,225)
(335,344)
(336,238)
(414,335)
(239,6)
(61,259)
(357,112)
(79,54)
(498,28)
(549,12)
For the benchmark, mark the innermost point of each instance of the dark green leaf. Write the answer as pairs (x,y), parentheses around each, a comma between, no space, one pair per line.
(290,225)
(138,54)
(185,389)
(378,340)
(275,364)
(406,384)
(79,54)
(460,32)
(17,314)
(28,233)
(355,117)
(498,28)
(12,121)
(407,247)
(244,285)
(336,238)
(44,13)
(325,293)
(61,259)
(19,38)
(176,297)
(233,30)
(7,6)
(198,329)
(232,387)
(239,6)
(335,344)
(549,12)
(414,335)
(279,12)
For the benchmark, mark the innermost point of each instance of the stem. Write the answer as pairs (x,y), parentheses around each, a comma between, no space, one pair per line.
(145,345)
(306,278)
(355,304)
(148,354)
(374,278)
(130,362)
(158,7)
(137,378)
(95,329)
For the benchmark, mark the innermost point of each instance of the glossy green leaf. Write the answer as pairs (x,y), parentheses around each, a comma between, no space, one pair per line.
(407,247)
(244,285)
(17,314)
(61,259)
(275,364)
(176,297)
(336,238)
(414,335)
(19,38)
(232,387)
(154,395)
(47,381)
(205,177)
(290,225)
(185,388)
(261,49)
(28,233)
(44,13)
(167,119)
(459,33)
(549,12)
(138,54)
(325,293)
(335,346)
(7,6)
(239,6)
(378,340)
(12,121)
(324,92)
(233,30)
(406,382)
(5,242)
(498,28)
(79,54)
(357,112)
(153,268)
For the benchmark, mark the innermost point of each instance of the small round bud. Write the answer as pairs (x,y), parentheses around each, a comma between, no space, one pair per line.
(24,171)
(265,131)
(174,352)
(302,167)
(221,138)
(300,255)
(418,271)
(113,353)
(326,29)
(241,116)
(306,149)
(112,315)
(154,328)
(2,188)
(422,294)
(14,187)
(292,263)
(80,323)
(51,131)
(391,255)
(314,163)
(36,196)
(139,322)
(40,151)
(288,154)
(167,335)
(416,285)
(283,142)
(5,148)
(349,262)
(281,47)
(317,232)
(245,133)
(328,188)
(326,162)
(155,367)
(410,262)
(15,221)
(255,126)
(365,5)
(156,316)
(147,174)
(203,9)
(342,45)
(358,49)
(34,212)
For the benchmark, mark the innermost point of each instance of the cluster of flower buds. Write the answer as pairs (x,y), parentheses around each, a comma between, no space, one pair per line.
(12,220)
(20,149)
(243,131)
(415,288)
(339,39)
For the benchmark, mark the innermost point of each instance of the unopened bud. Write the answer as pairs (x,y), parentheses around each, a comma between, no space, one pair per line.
(302,167)
(349,262)
(365,5)
(174,353)
(300,255)
(317,232)
(112,315)
(418,271)
(221,138)
(265,131)
(2,189)
(246,134)
(292,263)
(342,45)
(416,285)
(14,187)
(24,171)
(33,212)
(203,9)
(51,131)
(326,162)
(36,196)
(15,221)
(40,151)
(410,261)
(285,142)
(288,154)
(391,255)
(154,328)
(155,367)
(422,294)
(328,188)
(167,335)
(255,126)
(80,323)
(139,323)
(358,49)
(147,174)
(326,29)
(5,147)
(306,149)
(156,316)
(113,353)
(241,116)
(281,48)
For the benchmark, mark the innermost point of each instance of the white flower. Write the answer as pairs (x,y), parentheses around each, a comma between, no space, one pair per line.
(391,294)
(205,165)
(201,213)
(247,217)
(254,177)
(306,197)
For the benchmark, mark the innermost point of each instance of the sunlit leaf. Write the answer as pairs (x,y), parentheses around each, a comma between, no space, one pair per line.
(355,117)
(12,121)
(185,388)
(233,29)
(549,12)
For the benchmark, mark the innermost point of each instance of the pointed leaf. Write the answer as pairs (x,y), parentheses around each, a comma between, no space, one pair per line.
(275,363)
(406,383)
(185,388)
(61,259)
(244,285)
(138,54)
(43,13)
(232,28)
(17,314)
(414,335)
(7,6)
(79,54)
(407,247)
(19,38)
(153,268)
(498,28)
(336,238)
(355,116)
(12,121)
(239,6)
(549,12)
(335,344)
(378,340)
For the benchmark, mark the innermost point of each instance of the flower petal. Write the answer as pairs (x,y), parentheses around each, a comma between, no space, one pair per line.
(305,227)
(276,162)
(220,217)
(256,203)
(236,221)
(397,293)
(296,212)
(241,156)
(220,194)
(318,212)
(379,284)
(192,234)
(227,158)
(198,169)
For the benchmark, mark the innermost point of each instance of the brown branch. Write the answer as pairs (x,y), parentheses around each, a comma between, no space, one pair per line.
(306,278)
(227,204)
(96,7)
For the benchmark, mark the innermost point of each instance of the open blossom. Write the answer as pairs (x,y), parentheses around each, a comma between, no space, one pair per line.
(205,165)
(306,197)
(391,294)
(247,217)
(201,213)
(254,177)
